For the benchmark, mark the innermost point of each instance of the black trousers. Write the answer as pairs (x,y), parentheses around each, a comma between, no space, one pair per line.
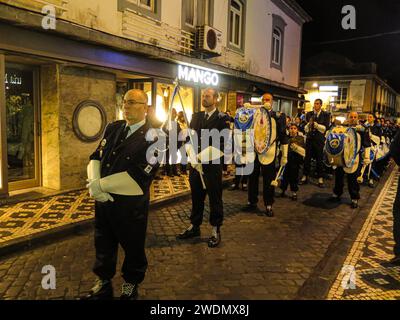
(396,222)
(314,150)
(352,184)
(213,181)
(117,223)
(240,177)
(269,175)
(291,176)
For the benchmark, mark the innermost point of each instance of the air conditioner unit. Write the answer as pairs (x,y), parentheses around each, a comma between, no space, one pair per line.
(208,40)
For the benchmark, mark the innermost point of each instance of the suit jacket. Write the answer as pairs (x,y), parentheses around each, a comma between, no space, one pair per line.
(218,121)
(117,155)
(324,119)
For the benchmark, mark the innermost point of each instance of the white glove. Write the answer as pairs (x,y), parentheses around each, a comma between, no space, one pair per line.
(367,159)
(284,151)
(104,197)
(321,128)
(96,193)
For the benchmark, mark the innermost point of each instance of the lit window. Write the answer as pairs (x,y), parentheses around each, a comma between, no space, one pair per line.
(236,23)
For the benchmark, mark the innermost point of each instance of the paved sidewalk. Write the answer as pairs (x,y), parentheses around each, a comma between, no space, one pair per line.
(367,265)
(30,219)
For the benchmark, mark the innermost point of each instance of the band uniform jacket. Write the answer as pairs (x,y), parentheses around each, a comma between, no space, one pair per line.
(278,137)
(128,155)
(324,119)
(292,155)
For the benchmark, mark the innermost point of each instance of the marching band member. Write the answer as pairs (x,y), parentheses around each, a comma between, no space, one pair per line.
(119,177)
(354,172)
(318,122)
(375,133)
(209,119)
(296,156)
(266,162)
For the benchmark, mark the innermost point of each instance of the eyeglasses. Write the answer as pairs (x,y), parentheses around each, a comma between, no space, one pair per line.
(133,102)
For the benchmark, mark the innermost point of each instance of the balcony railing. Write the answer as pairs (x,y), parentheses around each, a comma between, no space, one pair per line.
(148,30)
(37,5)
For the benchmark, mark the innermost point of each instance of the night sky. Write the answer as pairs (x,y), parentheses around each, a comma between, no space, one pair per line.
(373,17)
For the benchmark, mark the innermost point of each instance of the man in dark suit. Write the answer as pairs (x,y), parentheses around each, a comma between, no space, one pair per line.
(318,122)
(395,153)
(210,168)
(119,176)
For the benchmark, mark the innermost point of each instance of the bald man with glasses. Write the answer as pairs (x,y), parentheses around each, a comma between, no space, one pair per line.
(119,177)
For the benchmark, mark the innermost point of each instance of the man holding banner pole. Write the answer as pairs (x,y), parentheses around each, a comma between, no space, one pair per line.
(205,175)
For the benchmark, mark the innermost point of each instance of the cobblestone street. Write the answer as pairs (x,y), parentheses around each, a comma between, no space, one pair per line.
(260,257)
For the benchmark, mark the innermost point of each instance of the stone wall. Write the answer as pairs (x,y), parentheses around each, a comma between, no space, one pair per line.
(50,112)
(65,157)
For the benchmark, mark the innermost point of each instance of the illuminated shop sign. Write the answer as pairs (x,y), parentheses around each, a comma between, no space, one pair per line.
(12,79)
(198,76)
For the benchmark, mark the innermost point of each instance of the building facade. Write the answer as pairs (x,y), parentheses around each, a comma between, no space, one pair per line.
(66,65)
(344,86)
(361,93)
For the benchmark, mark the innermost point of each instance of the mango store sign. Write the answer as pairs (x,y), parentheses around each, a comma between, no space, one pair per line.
(198,76)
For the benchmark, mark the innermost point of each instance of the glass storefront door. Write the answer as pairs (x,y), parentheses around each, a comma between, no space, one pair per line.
(21,126)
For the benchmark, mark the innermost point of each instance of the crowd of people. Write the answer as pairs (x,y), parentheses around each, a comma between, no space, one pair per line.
(120,173)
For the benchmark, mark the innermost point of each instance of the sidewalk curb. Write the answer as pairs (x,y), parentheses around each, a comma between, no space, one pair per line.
(65,231)
(318,285)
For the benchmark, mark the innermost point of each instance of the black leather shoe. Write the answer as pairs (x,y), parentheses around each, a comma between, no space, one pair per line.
(354,204)
(213,242)
(294,197)
(188,234)
(282,194)
(244,187)
(250,208)
(395,261)
(129,291)
(102,290)
(269,213)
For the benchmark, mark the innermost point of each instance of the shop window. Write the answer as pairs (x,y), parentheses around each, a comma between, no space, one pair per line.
(278,42)
(20,123)
(164,96)
(236,24)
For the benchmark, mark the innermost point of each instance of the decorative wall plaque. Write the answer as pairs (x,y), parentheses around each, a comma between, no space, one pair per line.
(89,121)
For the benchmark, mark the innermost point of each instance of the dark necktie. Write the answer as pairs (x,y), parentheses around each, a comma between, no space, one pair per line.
(124,134)
(206,117)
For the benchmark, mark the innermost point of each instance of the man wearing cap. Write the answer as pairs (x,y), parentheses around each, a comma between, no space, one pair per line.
(119,177)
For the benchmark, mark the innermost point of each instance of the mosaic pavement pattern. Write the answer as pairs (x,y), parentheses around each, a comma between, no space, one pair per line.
(31,217)
(366,274)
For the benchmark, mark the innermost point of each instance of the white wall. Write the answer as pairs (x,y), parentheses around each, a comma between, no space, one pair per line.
(103,15)
(259,40)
